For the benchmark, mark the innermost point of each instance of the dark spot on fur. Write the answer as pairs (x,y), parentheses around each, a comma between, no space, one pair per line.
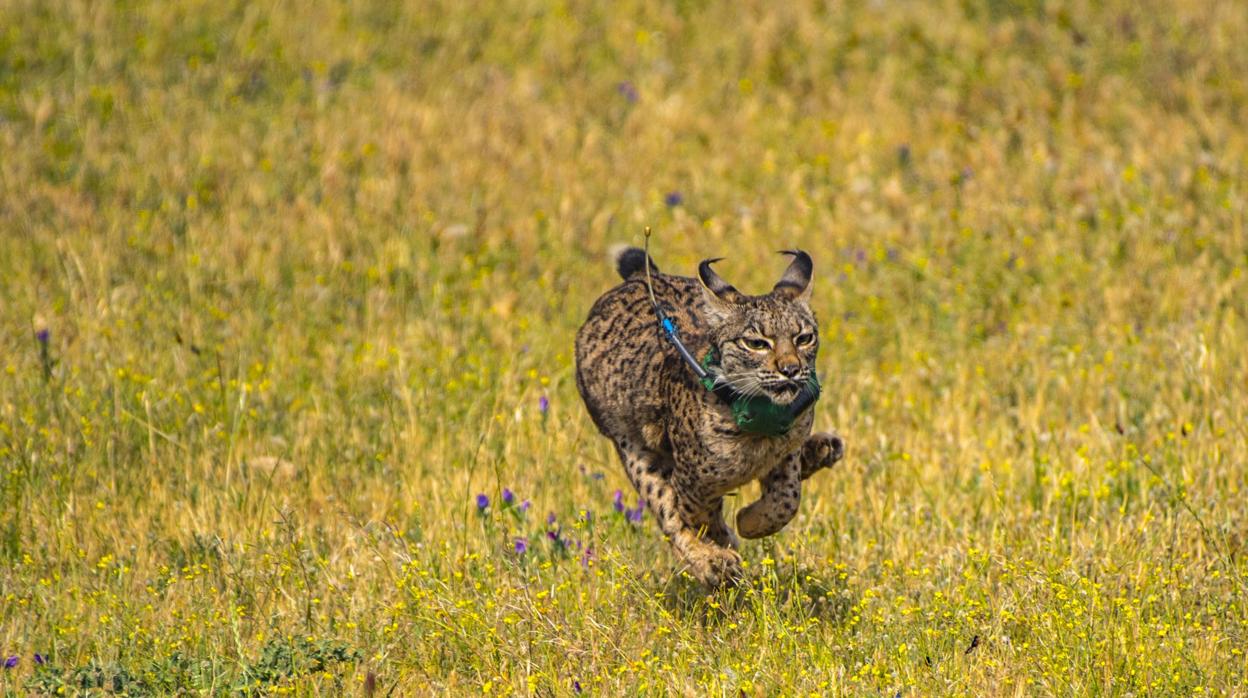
(661,467)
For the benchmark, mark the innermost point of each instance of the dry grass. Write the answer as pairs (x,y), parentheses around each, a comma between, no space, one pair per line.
(307,270)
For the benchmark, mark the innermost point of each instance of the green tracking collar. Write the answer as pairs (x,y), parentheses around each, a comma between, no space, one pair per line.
(757,414)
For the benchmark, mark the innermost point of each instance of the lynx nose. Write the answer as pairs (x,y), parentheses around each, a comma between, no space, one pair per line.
(790,368)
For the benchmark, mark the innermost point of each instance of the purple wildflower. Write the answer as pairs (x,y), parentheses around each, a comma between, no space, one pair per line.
(524,506)
(576,685)
(634,515)
(522,546)
(509,497)
(39,659)
(628,91)
(483,502)
(618,501)
(587,556)
(557,540)
(586,515)
(673,199)
(550,519)
(543,404)
(45,355)
(11,662)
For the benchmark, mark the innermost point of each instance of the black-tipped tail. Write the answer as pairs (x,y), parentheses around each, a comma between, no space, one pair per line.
(632,260)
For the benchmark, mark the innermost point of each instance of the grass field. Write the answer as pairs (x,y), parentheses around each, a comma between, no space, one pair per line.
(285,286)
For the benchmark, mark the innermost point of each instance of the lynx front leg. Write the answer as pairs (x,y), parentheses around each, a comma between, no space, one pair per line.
(821,451)
(782,487)
(682,522)
(717,529)
(782,491)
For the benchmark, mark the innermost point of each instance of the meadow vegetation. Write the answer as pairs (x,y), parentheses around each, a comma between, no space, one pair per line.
(288,293)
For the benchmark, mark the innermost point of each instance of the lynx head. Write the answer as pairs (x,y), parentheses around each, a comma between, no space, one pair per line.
(766,344)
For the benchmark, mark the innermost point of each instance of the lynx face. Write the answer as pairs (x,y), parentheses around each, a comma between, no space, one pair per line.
(769,350)
(767,344)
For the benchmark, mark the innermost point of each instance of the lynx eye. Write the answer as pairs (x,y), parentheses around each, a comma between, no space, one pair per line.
(756,344)
(804,339)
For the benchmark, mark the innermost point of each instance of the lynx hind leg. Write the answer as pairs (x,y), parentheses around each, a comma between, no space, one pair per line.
(782,492)
(714,564)
(821,451)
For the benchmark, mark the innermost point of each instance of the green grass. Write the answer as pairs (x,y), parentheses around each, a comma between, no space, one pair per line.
(308,268)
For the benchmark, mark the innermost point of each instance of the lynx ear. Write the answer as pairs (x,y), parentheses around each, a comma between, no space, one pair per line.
(719,294)
(795,284)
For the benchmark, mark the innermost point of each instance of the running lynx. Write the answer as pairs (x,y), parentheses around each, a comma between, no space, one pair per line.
(680,443)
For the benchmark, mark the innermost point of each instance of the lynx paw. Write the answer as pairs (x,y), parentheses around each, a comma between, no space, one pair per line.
(716,567)
(821,451)
(765,517)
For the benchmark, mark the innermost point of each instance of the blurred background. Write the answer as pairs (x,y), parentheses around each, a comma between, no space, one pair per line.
(285,286)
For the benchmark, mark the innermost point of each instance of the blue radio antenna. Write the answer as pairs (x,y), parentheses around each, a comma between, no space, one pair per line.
(669,325)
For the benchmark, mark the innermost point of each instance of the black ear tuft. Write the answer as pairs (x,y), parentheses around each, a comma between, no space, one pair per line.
(795,284)
(722,289)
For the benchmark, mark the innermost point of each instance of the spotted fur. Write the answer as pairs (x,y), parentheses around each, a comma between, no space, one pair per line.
(678,442)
